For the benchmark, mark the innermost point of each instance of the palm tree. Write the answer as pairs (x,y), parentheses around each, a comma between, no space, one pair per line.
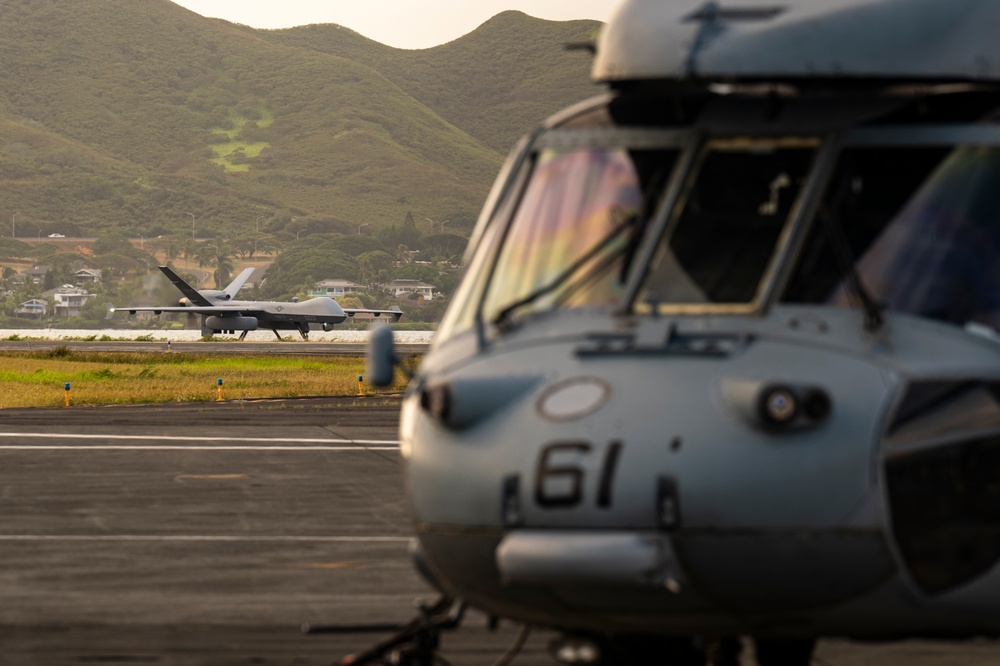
(223,266)
(7,279)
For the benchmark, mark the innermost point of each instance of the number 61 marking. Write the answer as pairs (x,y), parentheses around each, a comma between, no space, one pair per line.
(561,486)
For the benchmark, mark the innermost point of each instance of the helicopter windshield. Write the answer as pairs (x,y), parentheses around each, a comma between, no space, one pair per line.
(922,227)
(578,214)
(724,235)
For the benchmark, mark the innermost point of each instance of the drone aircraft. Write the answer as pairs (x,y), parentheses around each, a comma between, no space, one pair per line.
(724,363)
(222,314)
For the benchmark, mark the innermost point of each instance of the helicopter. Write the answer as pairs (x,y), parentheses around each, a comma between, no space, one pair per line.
(724,363)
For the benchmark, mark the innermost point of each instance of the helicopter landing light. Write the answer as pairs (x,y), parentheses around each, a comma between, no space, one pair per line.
(779,406)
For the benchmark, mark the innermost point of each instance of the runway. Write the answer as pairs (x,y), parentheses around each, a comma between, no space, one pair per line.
(284,348)
(208,533)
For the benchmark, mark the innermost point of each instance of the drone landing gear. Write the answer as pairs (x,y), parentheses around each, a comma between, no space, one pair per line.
(243,335)
(275,331)
(303,331)
(413,644)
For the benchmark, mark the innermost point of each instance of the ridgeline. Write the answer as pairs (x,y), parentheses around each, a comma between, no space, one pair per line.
(148,119)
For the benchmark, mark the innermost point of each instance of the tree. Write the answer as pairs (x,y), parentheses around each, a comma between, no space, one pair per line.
(444,247)
(244,246)
(409,235)
(374,267)
(223,265)
(118,266)
(7,278)
(204,253)
(10,247)
(171,246)
(350,301)
(354,245)
(113,242)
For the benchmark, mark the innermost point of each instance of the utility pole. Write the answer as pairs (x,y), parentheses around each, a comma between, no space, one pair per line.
(12,218)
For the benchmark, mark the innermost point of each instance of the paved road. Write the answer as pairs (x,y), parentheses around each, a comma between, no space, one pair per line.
(208,533)
(286,348)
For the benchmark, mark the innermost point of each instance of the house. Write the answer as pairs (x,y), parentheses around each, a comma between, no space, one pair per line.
(69,300)
(34,308)
(403,287)
(36,275)
(335,288)
(88,276)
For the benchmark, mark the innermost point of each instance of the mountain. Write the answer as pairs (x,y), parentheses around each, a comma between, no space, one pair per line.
(146,118)
(495,83)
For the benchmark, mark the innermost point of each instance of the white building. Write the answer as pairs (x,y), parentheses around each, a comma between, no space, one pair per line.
(404,287)
(335,288)
(69,300)
(34,308)
(36,274)
(88,276)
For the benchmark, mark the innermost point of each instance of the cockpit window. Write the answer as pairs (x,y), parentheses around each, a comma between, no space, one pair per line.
(580,214)
(726,233)
(921,228)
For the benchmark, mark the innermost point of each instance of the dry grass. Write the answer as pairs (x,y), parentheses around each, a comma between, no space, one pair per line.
(37,379)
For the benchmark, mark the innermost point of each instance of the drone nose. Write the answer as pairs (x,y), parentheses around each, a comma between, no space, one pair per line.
(184,302)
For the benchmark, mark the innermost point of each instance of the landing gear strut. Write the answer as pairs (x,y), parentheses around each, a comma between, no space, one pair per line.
(413,644)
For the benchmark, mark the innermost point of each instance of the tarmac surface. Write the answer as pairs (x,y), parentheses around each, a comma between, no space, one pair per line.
(284,348)
(208,533)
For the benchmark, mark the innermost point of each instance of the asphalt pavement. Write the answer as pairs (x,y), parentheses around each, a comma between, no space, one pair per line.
(209,533)
(225,347)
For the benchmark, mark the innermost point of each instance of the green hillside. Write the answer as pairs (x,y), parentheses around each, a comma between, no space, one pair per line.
(495,83)
(138,116)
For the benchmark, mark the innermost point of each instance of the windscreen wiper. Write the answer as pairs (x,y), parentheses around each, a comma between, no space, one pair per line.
(503,320)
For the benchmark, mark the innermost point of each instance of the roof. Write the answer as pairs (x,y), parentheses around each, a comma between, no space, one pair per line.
(66,290)
(337,283)
(927,40)
(410,284)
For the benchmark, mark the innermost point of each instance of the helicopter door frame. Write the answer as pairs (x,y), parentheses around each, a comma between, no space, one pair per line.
(789,241)
(918,135)
(686,141)
(800,222)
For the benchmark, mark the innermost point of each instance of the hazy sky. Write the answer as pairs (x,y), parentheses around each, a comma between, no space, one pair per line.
(408,24)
